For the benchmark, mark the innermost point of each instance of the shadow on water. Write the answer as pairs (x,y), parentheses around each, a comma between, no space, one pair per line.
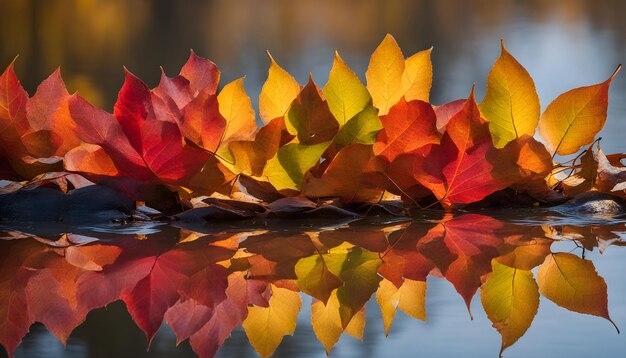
(320,279)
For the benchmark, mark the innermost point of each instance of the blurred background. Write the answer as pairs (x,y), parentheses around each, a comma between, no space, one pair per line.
(562,43)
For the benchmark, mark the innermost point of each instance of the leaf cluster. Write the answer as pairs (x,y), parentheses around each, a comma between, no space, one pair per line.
(350,141)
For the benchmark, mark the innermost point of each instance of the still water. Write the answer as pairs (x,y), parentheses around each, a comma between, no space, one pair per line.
(204,280)
(563,44)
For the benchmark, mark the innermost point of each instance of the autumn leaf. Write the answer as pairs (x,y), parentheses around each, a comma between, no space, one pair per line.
(390,77)
(573,283)
(309,117)
(462,248)
(152,130)
(266,326)
(410,298)
(327,325)
(408,126)
(170,274)
(315,279)
(279,90)
(251,156)
(463,168)
(345,93)
(510,298)
(417,78)
(384,74)
(343,177)
(287,168)
(574,118)
(236,108)
(511,104)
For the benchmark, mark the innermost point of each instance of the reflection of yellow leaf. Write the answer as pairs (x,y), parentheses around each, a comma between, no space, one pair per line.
(511,104)
(511,299)
(574,118)
(326,322)
(314,278)
(410,298)
(527,255)
(573,283)
(266,326)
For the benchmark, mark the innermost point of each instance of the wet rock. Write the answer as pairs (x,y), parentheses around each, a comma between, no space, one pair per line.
(88,204)
(593,203)
(39,204)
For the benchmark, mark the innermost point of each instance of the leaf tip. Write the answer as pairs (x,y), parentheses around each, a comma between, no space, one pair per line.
(619,67)
(471,95)
(269,55)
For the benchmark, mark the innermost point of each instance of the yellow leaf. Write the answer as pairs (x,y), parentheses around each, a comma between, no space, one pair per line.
(511,104)
(510,298)
(235,106)
(384,74)
(345,93)
(574,118)
(573,283)
(277,93)
(410,298)
(266,326)
(418,76)
(326,322)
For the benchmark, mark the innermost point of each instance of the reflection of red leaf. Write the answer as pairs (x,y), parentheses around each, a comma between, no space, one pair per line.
(405,258)
(229,314)
(170,275)
(462,249)
(14,317)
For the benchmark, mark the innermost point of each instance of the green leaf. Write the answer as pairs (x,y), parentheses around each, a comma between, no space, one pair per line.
(345,93)
(286,169)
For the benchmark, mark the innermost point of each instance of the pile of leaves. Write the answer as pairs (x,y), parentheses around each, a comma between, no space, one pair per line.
(347,141)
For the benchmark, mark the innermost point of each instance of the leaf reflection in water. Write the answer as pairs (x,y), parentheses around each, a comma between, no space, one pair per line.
(205,282)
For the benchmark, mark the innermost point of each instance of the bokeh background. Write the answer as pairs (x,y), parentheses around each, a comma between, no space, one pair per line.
(562,43)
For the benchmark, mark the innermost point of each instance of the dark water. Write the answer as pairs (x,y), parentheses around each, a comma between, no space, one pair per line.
(563,44)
